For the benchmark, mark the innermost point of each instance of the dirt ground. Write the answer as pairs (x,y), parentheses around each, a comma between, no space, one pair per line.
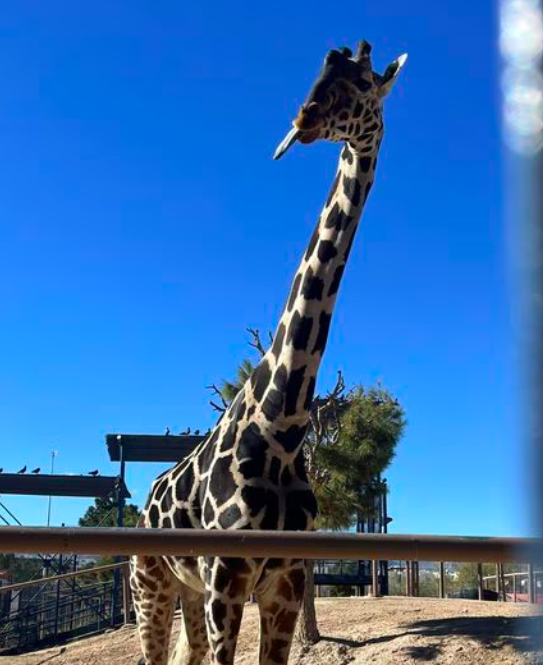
(359,630)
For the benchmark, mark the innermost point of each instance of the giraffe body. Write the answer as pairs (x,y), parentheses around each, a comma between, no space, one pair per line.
(249,473)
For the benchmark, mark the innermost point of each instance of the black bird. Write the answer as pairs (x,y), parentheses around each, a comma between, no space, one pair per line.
(36,470)
(197,432)
(2,470)
(167,432)
(23,470)
(186,432)
(94,473)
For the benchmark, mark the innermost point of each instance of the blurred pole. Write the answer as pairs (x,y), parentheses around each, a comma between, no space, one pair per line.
(521,50)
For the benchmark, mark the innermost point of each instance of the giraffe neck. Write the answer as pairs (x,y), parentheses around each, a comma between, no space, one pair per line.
(284,381)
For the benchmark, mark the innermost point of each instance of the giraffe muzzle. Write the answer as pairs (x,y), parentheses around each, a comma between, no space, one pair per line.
(306,129)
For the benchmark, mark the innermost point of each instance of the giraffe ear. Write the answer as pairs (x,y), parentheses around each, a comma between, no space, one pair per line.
(387,81)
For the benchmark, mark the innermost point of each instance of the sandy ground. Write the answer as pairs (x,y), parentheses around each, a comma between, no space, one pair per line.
(359,630)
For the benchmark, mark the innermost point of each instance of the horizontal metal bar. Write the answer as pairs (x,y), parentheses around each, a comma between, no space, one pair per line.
(64,576)
(291,544)
(522,573)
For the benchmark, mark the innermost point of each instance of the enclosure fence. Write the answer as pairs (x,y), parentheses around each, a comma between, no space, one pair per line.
(104,604)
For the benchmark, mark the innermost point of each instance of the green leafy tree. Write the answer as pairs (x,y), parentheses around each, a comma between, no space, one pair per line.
(466,576)
(104,513)
(21,568)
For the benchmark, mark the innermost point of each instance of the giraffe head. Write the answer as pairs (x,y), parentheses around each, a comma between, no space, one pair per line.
(345,103)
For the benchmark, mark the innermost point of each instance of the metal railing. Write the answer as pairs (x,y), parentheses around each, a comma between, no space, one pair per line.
(292,544)
(49,610)
(60,614)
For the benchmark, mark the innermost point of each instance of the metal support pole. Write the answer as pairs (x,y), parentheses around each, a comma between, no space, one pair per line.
(408,590)
(499,589)
(531,583)
(74,569)
(502,582)
(480,586)
(375,578)
(441,579)
(57,599)
(126,594)
(384,564)
(120,516)
(42,594)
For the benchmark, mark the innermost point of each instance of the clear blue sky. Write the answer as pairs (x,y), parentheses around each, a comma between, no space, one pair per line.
(144,225)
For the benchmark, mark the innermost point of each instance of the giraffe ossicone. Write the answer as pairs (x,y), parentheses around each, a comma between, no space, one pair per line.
(249,472)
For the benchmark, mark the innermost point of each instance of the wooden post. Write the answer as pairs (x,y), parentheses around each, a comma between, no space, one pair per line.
(126,594)
(441,579)
(480,586)
(408,590)
(375,578)
(515,587)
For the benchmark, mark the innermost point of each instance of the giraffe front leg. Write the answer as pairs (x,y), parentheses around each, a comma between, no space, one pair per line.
(154,593)
(228,583)
(192,645)
(279,606)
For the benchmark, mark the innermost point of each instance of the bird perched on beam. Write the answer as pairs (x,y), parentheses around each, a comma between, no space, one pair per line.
(196,432)
(94,473)
(186,432)
(2,470)
(23,470)
(36,470)
(167,432)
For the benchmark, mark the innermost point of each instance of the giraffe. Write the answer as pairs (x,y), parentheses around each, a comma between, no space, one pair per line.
(249,472)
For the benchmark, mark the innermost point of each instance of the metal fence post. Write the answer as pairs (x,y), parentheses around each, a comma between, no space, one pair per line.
(480,587)
(126,594)
(502,582)
(57,598)
(531,582)
(375,578)
(441,579)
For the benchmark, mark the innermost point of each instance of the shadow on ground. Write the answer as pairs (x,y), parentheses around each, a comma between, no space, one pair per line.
(521,633)
(524,634)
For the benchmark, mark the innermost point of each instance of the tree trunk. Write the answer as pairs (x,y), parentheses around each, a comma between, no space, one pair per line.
(307,631)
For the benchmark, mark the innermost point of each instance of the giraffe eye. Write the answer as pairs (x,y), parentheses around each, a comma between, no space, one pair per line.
(362,85)
(328,101)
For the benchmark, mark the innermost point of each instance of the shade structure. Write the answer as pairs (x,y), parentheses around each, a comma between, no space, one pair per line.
(61,485)
(150,447)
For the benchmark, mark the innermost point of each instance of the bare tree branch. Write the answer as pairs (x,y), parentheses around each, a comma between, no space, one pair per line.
(217,391)
(257,342)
